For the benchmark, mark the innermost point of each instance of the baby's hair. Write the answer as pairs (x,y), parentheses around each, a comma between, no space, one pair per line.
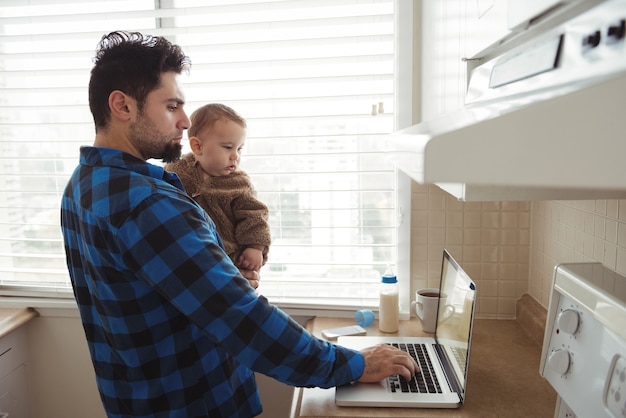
(206,116)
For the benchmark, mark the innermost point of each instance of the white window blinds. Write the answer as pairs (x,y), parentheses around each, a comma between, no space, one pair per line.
(314,79)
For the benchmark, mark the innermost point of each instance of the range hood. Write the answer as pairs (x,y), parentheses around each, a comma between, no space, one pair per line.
(544,121)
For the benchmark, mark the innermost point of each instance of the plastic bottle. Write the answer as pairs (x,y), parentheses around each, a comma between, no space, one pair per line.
(388,309)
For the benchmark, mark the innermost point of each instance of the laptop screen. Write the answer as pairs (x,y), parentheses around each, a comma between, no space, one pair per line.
(454,317)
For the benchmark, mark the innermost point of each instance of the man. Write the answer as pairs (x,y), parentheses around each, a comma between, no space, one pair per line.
(173,327)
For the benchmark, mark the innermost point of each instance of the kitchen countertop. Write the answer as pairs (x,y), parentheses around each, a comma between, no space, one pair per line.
(503,380)
(11,319)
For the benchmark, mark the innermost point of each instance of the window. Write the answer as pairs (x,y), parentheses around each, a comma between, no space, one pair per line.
(315,81)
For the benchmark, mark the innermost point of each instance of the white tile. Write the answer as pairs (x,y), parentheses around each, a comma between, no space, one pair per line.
(599,226)
(488,305)
(490,237)
(419,201)
(524,237)
(454,236)
(436,202)
(489,271)
(437,236)
(491,220)
(488,288)
(507,272)
(491,206)
(610,256)
(621,235)
(524,219)
(472,237)
(436,219)
(489,254)
(419,253)
(509,206)
(611,231)
(506,308)
(621,261)
(508,254)
(472,219)
(509,237)
(419,236)
(419,218)
(509,220)
(589,222)
(454,219)
(612,208)
(471,253)
(621,210)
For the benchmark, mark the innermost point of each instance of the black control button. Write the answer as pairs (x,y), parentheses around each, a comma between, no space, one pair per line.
(593,40)
(616,32)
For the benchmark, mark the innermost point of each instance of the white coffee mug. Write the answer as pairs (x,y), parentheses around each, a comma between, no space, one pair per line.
(425,307)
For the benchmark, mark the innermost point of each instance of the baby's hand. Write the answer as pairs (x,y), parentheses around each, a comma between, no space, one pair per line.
(250,259)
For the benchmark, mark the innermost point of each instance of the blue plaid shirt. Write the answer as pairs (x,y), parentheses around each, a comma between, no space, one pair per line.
(173,329)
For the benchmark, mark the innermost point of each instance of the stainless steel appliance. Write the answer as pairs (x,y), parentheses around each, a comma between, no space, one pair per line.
(543,115)
(584,347)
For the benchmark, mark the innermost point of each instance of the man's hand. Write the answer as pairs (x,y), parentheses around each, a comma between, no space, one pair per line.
(383,360)
(253,277)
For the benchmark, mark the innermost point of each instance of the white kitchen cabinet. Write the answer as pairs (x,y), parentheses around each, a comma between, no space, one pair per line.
(14,391)
(550,129)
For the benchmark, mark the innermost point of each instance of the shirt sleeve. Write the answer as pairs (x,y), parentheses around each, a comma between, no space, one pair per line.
(173,247)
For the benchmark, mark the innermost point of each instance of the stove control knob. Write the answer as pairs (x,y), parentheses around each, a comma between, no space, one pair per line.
(568,321)
(559,361)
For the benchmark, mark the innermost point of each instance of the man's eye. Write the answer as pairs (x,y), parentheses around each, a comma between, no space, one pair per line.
(172,108)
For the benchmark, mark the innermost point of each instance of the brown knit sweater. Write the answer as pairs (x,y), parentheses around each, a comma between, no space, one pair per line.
(241,219)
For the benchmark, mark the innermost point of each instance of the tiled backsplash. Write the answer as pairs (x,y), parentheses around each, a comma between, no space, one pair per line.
(491,240)
(575,231)
(511,248)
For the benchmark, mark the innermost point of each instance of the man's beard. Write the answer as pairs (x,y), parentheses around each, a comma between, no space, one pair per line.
(151,142)
(172,152)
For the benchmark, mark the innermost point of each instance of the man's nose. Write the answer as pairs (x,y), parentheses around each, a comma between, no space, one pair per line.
(184,122)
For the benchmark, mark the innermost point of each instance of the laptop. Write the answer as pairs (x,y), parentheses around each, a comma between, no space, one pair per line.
(443,359)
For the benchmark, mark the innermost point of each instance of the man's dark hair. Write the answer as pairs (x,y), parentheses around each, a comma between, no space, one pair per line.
(132,63)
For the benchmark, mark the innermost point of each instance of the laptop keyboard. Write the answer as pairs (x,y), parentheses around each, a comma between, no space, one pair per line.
(425,381)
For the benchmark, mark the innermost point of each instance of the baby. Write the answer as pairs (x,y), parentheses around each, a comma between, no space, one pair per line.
(211,176)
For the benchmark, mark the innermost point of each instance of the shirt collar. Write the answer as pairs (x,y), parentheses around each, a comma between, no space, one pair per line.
(109,157)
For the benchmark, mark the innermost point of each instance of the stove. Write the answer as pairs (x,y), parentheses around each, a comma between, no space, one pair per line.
(584,346)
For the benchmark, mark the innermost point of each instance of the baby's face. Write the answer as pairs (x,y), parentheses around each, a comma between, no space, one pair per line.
(220,151)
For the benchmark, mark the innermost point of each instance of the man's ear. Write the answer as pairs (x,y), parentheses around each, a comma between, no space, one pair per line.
(196,145)
(119,105)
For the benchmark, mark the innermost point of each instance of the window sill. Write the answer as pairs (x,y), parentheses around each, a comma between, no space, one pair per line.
(49,301)
(45,306)
(63,304)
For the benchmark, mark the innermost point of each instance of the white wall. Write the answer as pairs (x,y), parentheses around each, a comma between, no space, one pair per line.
(60,372)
